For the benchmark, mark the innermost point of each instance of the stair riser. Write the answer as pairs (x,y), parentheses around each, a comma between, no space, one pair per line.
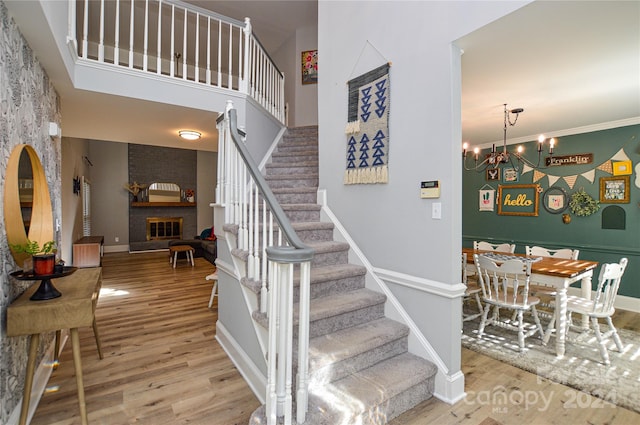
(322,289)
(343,321)
(326,258)
(315,235)
(336,371)
(407,400)
(297,147)
(297,198)
(295,159)
(299,216)
(284,171)
(287,183)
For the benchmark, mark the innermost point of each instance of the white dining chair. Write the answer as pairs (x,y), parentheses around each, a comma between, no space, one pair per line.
(487,246)
(470,291)
(546,293)
(506,286)
(569,254)
(601,306)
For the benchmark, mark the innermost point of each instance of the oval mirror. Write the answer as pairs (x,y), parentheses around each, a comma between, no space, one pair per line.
(16,199)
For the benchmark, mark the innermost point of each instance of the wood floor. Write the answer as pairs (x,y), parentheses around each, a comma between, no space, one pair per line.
(162,364)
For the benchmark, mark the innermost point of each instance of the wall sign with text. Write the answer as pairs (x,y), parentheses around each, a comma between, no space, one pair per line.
(575,159)
(519,199)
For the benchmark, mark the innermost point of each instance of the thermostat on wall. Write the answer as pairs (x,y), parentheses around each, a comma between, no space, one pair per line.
(430,189)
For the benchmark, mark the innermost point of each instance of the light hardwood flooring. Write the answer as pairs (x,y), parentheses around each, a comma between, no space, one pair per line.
(162,364)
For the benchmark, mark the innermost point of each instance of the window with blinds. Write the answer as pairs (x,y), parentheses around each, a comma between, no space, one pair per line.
(86,207)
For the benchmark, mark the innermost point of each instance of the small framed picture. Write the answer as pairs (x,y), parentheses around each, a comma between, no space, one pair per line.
(309,67)
(614,190)
(510,175)
(493,173)
(555,200)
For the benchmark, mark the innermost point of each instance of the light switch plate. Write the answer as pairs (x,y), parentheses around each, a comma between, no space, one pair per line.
(436,210)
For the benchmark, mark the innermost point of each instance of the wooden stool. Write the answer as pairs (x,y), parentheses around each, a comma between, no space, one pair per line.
(174,250)
(213,276)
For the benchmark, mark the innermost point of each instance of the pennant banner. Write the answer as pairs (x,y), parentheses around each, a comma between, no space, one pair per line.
(589,175)
(570,180)
(606,167)
(537,175)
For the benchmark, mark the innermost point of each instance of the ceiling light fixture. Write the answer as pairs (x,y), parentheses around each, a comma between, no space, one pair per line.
(495,158)
(189,134)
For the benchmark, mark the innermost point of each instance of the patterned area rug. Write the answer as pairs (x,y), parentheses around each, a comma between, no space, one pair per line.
(581,367)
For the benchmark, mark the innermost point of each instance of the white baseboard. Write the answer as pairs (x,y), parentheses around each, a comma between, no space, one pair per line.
(115,248)
(40,379)
(450,388)
(257,380)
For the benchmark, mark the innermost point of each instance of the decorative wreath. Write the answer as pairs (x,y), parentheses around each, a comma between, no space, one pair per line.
(582,204)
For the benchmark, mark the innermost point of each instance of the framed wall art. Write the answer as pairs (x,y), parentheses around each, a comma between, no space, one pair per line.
(614,190)
(555,200)
(310,67)
(509,175)
(493,173)
(518,199)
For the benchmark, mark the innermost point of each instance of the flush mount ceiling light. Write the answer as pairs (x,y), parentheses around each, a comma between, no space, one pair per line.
(189,134)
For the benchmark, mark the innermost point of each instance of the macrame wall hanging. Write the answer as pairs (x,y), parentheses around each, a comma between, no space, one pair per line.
(368,128)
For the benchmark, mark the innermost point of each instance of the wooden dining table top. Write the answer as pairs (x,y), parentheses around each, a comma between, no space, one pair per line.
(550,266)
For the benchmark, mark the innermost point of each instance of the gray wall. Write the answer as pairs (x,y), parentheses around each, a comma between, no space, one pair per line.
(29,102)
(390,222)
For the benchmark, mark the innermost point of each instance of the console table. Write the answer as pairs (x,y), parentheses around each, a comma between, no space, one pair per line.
(74,308)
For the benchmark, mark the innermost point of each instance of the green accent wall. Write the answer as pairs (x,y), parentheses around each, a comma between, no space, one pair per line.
(546,229)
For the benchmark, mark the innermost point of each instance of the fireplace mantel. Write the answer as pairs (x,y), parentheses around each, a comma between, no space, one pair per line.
(163,204)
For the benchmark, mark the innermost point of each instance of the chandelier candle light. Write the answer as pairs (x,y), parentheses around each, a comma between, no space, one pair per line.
(495,158)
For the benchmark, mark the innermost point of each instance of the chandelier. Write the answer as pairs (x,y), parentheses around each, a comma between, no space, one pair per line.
(515,158)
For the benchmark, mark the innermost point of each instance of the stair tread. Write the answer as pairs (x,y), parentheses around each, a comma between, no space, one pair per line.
(335,304)
(281,190)
(312,225)
(291,176)
(383,381)
(310,207)
(350,342)
(327,246)
(298,164)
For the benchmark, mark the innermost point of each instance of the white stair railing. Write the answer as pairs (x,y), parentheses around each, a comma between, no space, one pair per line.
(250,204)
(177,40)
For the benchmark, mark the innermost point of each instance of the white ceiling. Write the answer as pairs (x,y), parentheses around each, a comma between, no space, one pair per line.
(570,65)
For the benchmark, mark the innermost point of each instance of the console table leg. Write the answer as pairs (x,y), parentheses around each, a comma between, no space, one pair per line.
(77,363)
(97,335)
(31,366)
(56,350)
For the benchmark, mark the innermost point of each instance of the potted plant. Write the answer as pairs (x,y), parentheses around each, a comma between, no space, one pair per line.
(44,258)
(190,195)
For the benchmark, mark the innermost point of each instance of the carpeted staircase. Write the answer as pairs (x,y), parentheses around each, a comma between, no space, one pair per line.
(360,369)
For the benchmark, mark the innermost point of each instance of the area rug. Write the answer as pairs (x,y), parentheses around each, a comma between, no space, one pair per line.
(580,368)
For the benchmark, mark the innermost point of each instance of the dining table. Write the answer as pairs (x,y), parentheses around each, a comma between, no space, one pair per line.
(558,273)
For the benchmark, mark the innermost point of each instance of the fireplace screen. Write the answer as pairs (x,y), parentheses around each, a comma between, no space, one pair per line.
(164,228)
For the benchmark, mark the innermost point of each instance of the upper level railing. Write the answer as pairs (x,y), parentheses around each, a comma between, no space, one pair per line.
(177,40)
(273,247)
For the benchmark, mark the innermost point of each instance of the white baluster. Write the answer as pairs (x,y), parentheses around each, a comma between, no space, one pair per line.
(272,396)
(196,48)
(208,71)
(184,47)
(218,82)
(101,42)
(256,236)
(173,43)
(85,29)
(159,44)
(302,384)
(145,48)
(250,263)
(116,36)
(131,26)
(264,291)
(229,71)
